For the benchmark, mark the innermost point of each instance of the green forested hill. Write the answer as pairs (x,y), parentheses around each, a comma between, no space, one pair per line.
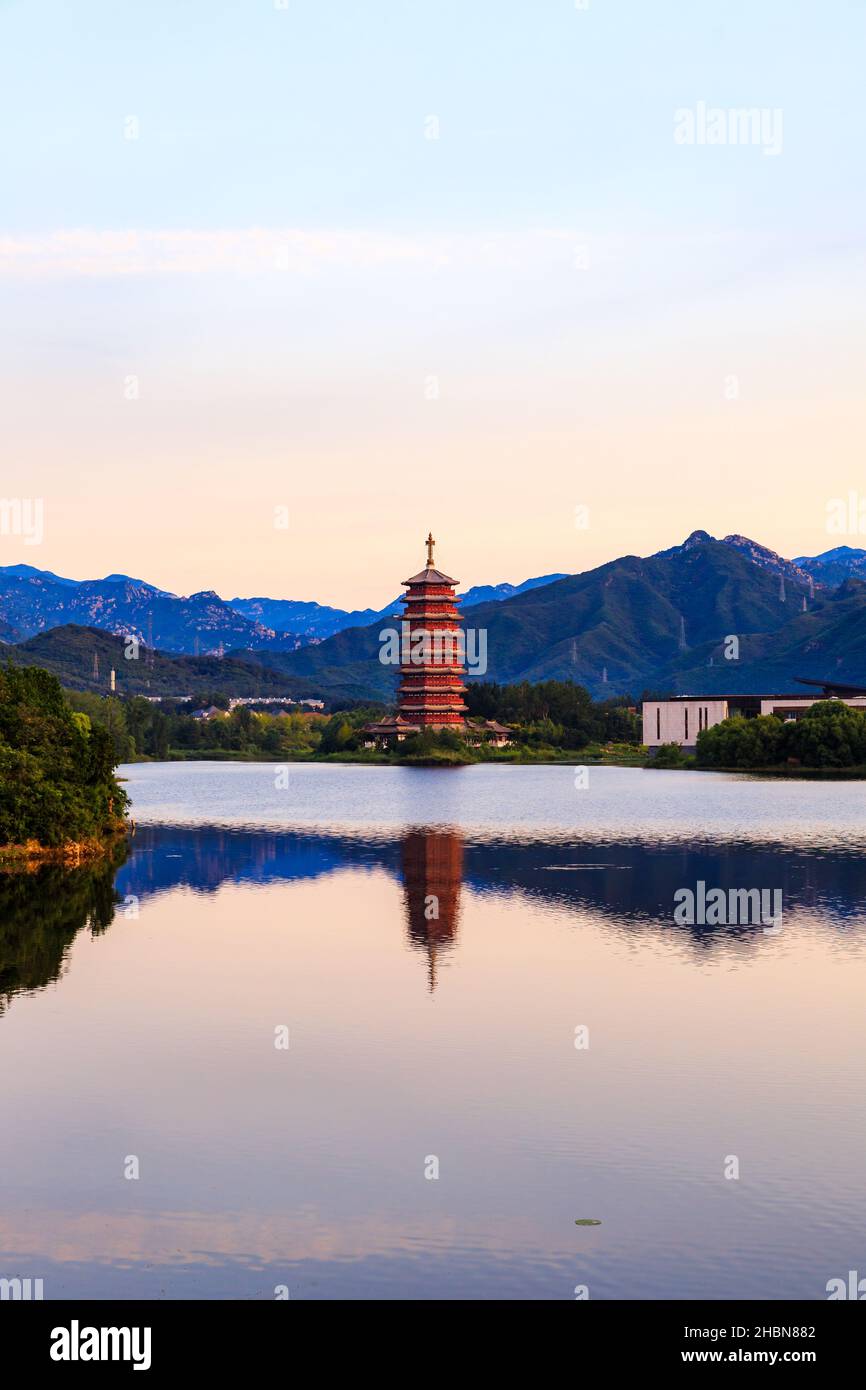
(642,622)
(69,653)
(827,641)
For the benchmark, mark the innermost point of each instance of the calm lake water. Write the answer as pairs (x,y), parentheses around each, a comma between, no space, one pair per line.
(139,1012)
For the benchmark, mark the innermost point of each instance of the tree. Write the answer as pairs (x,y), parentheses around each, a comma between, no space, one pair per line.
(57,780)
(830,734)
(337,736)
(670,755)
(740,742)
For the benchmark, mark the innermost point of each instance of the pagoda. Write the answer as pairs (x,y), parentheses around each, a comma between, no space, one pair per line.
(431,667)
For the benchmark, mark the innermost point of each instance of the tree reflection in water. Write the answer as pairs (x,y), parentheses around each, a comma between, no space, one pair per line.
(42,910)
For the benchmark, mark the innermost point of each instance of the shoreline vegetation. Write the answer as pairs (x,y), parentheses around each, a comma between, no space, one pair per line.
(551,722)
(72,854)
(610,755)
(60,801)
(827,741)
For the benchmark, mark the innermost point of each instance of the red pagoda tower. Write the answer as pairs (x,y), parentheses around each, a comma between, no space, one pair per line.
(431,668)
(431,664)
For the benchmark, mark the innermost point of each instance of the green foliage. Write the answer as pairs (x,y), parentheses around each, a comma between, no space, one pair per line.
(337,736)
(244,733)
(139,728)
(109,714)
(739,742)
(553,714)
(57,779)
(444,747)
(830,734)
(670,755)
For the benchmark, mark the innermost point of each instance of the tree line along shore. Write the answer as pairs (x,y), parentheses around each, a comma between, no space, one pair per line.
(60,798)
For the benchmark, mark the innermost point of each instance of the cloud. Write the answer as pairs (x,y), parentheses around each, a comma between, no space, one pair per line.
(107,253)
(87,252)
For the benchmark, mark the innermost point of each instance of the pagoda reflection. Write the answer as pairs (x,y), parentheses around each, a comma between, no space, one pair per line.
(432,864)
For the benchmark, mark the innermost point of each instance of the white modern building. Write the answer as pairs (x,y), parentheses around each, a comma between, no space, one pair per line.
(682,717)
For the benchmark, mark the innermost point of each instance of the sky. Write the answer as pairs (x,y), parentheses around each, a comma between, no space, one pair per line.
(283,286)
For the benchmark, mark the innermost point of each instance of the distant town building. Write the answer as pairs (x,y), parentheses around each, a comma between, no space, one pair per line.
(238,701)
(212,712)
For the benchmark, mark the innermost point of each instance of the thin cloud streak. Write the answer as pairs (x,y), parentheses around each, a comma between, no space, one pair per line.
(108,253)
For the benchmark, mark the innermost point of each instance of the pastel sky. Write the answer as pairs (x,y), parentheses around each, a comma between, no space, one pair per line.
(406,265)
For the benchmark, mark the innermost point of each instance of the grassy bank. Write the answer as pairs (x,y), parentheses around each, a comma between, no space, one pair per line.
(611,755)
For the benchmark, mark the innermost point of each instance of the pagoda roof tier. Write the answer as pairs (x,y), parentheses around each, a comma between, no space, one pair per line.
(430,576)
(425,596)
(453,669)
(454,682)
(432,709)
(434,622)
(445,612)
(451,659)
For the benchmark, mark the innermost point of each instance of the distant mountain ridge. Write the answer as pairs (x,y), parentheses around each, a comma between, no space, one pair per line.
(315,621)
(758,554)
(34,601)
(662,622)
(835,566)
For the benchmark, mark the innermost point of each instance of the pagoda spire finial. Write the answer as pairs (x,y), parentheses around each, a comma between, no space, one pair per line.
(430,545)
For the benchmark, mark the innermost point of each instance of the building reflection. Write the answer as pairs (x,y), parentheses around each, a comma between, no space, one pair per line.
(432,867)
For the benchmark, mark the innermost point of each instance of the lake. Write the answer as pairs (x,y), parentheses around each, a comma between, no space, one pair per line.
(373,1032)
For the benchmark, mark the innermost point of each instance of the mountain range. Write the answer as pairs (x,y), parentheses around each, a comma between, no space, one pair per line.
(634,624)
(34,601)
(662,623)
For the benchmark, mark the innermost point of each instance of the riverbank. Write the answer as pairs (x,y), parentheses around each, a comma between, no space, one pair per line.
(601,755)
(810,774)
(783,772)
(32,855)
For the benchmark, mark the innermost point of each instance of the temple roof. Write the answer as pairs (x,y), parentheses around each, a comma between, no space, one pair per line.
(391,724)
(430,576)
